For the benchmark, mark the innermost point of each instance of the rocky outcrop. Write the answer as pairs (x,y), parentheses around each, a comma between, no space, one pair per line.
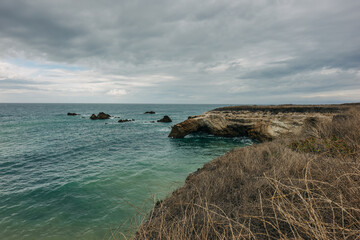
(100,116)
(72,114)
(165,119)
(257,122)
(149,112)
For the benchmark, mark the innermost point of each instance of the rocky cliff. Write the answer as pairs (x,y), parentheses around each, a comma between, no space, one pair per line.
(257,122)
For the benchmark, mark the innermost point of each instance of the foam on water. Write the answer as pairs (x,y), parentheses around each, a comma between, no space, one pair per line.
(69,177)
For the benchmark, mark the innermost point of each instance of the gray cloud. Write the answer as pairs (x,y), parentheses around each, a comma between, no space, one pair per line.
(4,82)
(15,84)
(219,51)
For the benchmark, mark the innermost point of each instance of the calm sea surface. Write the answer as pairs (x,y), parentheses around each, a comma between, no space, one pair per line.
(69,177)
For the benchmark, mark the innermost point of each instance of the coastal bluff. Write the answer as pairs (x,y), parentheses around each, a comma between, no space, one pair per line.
(261,123)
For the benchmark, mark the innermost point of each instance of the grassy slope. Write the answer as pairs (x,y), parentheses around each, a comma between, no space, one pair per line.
(303,187)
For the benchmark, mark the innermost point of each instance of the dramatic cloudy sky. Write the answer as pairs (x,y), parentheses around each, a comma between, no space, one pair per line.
(141,51)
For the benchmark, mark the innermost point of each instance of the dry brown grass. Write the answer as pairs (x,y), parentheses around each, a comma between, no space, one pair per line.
(303,187)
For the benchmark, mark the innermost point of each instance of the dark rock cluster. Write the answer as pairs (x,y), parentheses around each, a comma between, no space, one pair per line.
(100,116)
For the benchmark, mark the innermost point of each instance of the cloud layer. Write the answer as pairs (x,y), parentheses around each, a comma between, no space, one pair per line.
(241,52)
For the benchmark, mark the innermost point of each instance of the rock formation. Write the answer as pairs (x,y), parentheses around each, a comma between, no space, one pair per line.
(257,122)
(165,119)
(126,120)
(93,117)
(101,116)
(149,112)
(72,114)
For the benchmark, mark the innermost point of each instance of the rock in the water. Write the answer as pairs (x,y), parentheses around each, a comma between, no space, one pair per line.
(165,119)
(126,120)
(101,116)
(149,112)
(72,114)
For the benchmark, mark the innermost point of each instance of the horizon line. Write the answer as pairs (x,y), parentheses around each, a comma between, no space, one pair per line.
(184,103)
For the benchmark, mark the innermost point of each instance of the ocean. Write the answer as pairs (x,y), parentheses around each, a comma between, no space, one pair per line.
(69,177)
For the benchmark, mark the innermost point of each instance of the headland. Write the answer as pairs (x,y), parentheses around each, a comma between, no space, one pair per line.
(301,182)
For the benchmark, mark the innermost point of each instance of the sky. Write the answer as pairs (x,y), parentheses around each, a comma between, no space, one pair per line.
(141,51)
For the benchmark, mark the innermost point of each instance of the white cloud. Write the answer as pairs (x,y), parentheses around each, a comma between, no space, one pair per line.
(352,94)
(218,68)
(59,82)
(117,92)
(11,71)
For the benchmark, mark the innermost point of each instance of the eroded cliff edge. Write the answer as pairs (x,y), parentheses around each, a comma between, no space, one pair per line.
(257,122)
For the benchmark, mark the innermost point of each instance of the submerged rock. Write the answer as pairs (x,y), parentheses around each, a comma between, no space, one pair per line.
(126,120)
(100,116)
(149,112)
(72,114)
(165,119)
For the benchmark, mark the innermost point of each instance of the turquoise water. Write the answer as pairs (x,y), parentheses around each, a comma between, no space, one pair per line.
(69,177)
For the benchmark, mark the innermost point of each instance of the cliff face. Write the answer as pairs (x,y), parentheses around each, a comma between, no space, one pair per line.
(257,122)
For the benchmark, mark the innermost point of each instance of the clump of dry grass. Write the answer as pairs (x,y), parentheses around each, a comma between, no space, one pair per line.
(338,139)
(303,187)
